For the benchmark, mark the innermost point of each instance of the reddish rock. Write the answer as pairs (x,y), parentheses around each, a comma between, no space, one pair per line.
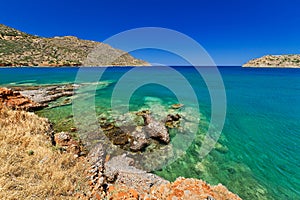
(192,189)
(184,189)
(16,101)
(122,193)
(65,141)
(118,179)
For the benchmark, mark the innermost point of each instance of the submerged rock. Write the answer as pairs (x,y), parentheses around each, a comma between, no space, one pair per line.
(136,137)
(116,135)
(221,148)
(177,106)
(173,121)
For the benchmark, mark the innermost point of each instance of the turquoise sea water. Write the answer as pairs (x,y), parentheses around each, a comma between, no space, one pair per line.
(257,155)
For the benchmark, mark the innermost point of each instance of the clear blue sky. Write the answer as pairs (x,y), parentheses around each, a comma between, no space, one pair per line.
(232,31)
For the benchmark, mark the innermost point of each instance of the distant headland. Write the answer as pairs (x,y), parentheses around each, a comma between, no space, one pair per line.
(275,61)
(21,49)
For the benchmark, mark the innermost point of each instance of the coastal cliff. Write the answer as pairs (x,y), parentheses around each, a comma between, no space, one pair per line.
(275,61)
(21,49)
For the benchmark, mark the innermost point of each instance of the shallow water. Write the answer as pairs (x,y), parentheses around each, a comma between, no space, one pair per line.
(257,155)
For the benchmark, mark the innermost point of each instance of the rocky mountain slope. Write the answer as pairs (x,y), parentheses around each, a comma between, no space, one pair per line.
(21,49)
(288,61)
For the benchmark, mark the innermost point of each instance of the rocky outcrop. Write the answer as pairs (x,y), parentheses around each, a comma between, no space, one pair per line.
(15,100)
(182,188)
(47,94)
(66,143)
(154,128)
(276,61)
(140,139)
(118,178)
(137,138)
(36,97)
(22,49)
(122,176)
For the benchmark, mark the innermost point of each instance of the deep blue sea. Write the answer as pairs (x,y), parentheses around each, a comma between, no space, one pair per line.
(258,153)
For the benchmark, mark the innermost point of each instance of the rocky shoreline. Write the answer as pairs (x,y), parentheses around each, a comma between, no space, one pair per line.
(33,98)
(116,176)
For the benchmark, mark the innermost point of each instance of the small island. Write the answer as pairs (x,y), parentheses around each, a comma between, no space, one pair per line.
(275,61)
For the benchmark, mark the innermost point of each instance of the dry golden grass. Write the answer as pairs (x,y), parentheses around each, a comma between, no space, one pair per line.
(30,168)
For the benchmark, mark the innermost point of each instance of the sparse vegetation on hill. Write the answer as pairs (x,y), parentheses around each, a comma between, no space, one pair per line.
(21,49)
(289,61)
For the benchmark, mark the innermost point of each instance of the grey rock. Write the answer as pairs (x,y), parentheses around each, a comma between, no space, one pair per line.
(155,129)
(140,139)
(139,144)
(97,155)
(44,95)
(130,175)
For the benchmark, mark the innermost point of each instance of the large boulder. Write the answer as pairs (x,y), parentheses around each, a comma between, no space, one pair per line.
(155,129)
(139,139)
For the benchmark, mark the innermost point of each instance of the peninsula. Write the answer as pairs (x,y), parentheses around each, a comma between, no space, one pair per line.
(21,49)
(275,61)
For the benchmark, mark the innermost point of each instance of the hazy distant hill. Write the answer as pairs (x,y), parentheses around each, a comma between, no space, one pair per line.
(21,49)
(288,61)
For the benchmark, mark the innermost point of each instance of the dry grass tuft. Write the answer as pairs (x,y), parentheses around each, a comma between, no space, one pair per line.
(30,168)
